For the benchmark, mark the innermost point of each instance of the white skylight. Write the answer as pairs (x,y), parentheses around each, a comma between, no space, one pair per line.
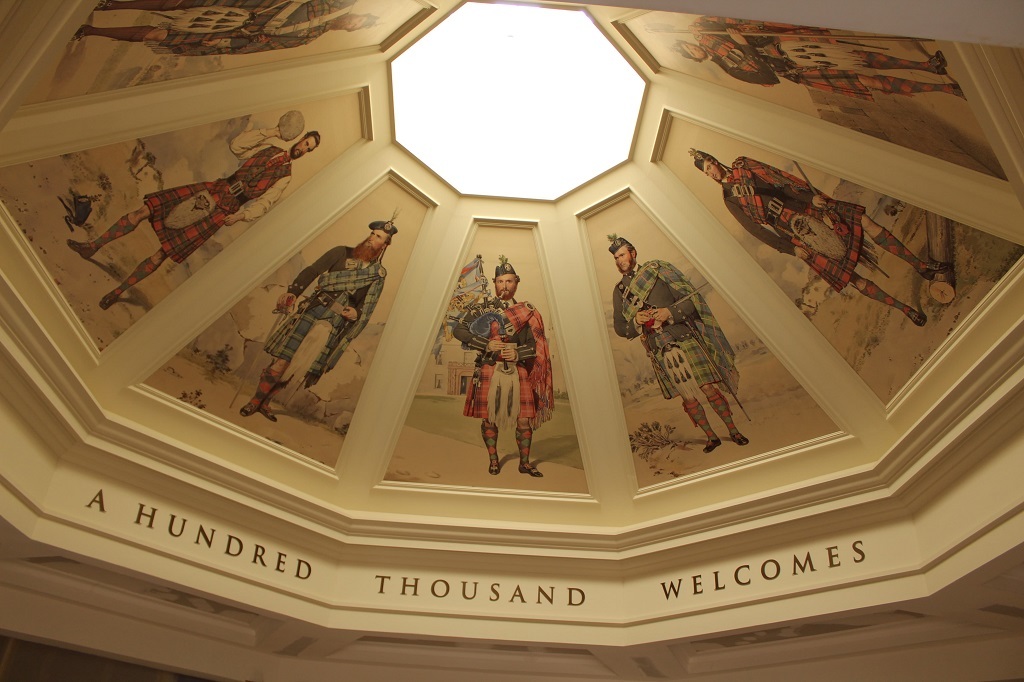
(515,101)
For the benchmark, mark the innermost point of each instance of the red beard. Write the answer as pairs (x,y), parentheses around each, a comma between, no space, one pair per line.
(367,252)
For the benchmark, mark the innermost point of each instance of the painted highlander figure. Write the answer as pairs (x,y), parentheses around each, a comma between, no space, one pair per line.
(789,215)
(762,52)
(185,217)
(687,349)
(349,282)
(512,385)
(213,27)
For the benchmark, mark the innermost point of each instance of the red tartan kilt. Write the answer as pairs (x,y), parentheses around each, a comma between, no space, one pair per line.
(476,397)
(836,81)
(839,273)
(181,243)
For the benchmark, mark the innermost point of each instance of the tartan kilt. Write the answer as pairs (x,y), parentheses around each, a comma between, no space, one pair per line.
(836,81)
(846,223)
(180,244)
(476,397)
(287,338)
(701,368)
(252,5)
(181,43)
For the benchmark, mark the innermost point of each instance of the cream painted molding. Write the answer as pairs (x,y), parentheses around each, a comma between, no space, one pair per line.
(32,34)
(997,81)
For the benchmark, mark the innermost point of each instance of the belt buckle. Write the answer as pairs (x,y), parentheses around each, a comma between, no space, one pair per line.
(236,188)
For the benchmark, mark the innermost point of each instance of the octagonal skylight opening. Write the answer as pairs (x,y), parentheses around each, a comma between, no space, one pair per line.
(516,101)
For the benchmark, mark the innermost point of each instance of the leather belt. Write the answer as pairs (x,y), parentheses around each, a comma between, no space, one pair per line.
(237,189)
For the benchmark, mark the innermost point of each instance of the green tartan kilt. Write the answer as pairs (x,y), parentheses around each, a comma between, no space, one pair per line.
(701,371)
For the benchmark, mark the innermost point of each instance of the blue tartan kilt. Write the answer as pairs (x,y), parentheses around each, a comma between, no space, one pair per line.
(287,338)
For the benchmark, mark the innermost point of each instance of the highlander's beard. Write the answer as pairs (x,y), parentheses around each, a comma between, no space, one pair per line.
(368,252)
(295,152)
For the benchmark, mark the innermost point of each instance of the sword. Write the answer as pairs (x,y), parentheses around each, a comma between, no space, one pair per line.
(814,189)
(652,356)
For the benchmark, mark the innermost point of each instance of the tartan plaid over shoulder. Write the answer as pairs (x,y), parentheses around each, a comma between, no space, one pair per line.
(719,350)
(373,276)
(540,376)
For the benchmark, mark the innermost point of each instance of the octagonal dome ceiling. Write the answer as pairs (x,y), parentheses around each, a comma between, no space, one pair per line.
(516,101)
(854,304)
(792,293)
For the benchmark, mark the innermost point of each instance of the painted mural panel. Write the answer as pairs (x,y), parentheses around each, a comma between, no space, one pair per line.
(289,360)
(699,389)
(898,89)
(132,42)
(884,281)
(492,409)
(119,227)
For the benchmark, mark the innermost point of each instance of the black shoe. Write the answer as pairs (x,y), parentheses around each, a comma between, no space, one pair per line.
(494,468)
(83,249)
(933,268)
(109,300)
(938,63)
(711,444)
(530,469)
(249,409)
(739,438)
(917,317)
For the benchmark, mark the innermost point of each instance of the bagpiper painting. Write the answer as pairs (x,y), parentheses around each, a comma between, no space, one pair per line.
(884,281)
(121,226)
(491,409)
(132,42)
(511,388)
(699,389)
(895,88)
(288,361)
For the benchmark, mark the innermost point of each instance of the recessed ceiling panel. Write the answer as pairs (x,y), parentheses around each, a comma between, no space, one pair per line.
(884,281)
(119,227)
(516,101)
(698,387)
(132,42)
(895,89)
(289,361)
(492,409)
